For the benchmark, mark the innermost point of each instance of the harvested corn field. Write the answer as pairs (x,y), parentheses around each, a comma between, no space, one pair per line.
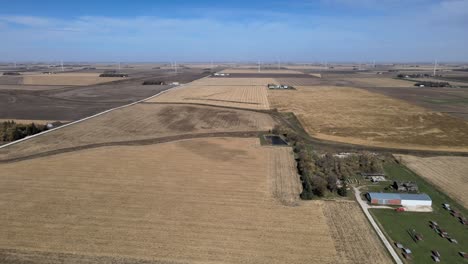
(255,70)
(235,92)
(285,181)
(355,240)
(66,79)
(142,122)
(357,116)
(234,81)
(379,82)
(299,81)
(447,173)
(193,201)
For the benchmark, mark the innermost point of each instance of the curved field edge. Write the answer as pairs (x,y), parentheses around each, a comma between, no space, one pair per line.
(356,116)
(142,122)
(149,206)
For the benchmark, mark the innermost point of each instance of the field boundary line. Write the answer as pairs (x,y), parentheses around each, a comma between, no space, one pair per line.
(377,229)
(87,118)
(140,142)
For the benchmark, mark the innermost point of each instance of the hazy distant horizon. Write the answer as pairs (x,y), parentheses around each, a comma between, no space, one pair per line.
(298,30)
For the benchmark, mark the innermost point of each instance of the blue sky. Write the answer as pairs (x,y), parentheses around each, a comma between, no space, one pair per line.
(297,30)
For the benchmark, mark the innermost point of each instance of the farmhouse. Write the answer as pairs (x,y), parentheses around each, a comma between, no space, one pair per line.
(400,199)
(405,186)
(369,176)
(278,86)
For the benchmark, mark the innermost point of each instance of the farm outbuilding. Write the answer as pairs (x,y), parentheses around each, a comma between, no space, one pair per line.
(402,199)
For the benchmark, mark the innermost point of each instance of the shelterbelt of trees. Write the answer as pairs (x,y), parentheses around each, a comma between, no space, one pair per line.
(11,131)
(321,172)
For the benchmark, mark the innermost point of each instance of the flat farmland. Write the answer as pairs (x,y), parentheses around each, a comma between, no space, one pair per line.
(232,92)
(355,240)
(76,102)
(29,87)
(286,186)
(378,82)
(141,122)
(262,71)
(213,81)
(25,121)
(66,79)
(449,174)
(357,116)
(451,101)
(299,81)
(192,201)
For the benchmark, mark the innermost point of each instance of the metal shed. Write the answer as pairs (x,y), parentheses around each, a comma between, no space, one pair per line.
(403,199)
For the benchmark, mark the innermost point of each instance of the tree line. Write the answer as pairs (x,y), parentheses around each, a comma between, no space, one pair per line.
(11,131)
(321,172)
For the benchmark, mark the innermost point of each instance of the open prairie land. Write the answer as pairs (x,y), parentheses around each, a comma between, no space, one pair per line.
(379,82)
(357,116)
(25,121)
(449,174)
(142,122)
(66,79)
(452,101)
(286,186)
(60,79)
(214,81)
(262,71)
(232,92)
(299,81)
(57,102)
(192,201)
(355,240)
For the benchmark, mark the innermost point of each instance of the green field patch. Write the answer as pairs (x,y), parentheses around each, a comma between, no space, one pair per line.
(447,101)
(398,224)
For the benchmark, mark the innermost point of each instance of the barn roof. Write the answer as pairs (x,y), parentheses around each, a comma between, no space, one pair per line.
(400,196)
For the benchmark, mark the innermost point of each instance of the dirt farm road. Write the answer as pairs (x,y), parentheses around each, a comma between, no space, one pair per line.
(365,209)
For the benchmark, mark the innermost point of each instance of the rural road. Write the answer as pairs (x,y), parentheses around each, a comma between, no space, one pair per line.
(365,208)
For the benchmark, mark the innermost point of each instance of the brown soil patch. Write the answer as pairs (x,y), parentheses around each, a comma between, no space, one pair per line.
(139,122)
(66,79)
(447,173)
(379,82)
(234,92)
(177,202)
(286,185)
(262,71)
(355,240)
(357,116)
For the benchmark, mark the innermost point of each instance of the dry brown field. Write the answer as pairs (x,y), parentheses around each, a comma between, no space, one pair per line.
(355,240)
(140,122)
(24,121)
(250,93)
(286,186)
(379,82)
(299,81)
(192,201)
(455,83)
(449,174)
(357,116)
(28,87)
(66,79)
(255,70)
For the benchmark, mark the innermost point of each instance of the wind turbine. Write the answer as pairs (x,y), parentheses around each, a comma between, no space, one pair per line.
(61,64)
(259,66)
(435,68)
